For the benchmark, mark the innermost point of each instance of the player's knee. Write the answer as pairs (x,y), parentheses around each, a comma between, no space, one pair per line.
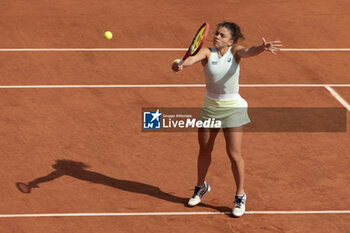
(234,155)
(206,149)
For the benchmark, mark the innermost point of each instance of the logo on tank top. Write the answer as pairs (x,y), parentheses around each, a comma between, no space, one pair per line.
(216,62)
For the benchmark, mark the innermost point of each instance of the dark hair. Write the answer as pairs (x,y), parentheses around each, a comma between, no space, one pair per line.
(234,29)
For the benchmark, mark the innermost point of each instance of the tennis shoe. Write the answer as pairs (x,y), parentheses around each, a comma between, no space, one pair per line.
(199,193)
(239,205)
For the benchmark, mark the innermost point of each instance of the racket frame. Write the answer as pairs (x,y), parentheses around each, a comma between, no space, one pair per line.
(189,51)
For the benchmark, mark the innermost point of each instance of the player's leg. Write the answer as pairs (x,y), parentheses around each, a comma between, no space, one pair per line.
(206,139)
(233,138)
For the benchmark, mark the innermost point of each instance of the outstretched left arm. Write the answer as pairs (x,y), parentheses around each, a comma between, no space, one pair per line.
(244,52)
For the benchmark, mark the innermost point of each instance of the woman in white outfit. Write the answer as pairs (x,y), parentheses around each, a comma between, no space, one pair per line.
(223,102)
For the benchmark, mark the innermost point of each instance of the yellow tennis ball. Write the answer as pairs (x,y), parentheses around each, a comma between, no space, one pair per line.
(108,35)
(176,61)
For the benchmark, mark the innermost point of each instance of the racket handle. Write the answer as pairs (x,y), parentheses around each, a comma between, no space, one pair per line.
(181,61)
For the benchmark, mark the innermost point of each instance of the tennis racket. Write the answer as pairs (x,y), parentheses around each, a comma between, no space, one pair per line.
(197,42)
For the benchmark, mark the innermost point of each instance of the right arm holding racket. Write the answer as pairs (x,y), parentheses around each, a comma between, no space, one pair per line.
(194,54)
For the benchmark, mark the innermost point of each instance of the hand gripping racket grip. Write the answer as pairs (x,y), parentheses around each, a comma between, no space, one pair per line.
(181,61)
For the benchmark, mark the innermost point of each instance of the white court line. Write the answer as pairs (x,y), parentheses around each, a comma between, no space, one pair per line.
(338,97)
(102,86)
(294,85)
(153,49)
(169,213)
(165,85)
(327,86)
(90,49)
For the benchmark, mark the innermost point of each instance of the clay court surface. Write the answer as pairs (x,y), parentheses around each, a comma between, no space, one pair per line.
(116,178)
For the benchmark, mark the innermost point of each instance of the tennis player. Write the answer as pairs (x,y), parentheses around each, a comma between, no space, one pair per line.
(223,102)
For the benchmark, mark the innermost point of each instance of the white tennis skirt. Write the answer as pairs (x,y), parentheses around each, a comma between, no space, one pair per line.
(231,113)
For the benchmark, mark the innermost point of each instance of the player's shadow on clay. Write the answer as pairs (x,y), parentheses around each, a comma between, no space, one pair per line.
(78,170)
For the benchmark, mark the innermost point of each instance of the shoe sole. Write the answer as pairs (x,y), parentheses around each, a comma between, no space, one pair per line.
(237,216)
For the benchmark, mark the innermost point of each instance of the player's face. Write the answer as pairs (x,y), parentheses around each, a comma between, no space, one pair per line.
(222,38)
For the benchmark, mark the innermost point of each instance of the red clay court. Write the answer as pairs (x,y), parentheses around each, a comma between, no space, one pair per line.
(71,117)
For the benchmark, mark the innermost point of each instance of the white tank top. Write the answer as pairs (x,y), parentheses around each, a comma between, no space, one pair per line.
(222,76)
